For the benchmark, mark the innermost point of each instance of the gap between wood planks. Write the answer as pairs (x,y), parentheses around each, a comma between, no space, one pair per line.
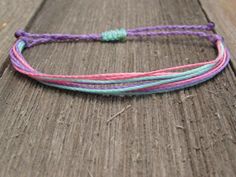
(6,61)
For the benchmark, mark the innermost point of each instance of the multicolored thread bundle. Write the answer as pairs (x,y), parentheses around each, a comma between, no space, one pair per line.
(134,83)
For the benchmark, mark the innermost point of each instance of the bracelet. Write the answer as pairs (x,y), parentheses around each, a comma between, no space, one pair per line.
(134,83)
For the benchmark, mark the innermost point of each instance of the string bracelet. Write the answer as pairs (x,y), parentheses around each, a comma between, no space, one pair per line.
(132,83)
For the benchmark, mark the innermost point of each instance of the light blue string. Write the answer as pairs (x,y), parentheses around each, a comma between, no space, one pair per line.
(121,90)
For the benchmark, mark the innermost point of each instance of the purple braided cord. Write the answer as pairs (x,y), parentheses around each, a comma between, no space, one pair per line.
(35,39)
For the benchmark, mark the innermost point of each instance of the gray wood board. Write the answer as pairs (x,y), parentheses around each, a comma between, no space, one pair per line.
(14,15)
(50,132)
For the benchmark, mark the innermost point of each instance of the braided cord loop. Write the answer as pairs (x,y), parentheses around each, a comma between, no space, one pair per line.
(133,83)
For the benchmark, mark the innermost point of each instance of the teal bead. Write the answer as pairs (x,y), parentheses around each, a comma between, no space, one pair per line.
(114,35)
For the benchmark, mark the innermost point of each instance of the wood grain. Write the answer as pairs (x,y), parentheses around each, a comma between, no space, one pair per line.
(50,132)
(223,14)
(14,15)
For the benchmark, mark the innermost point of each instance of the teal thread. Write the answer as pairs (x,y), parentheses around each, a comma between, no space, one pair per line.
(114,35)
(121,91)
(21,46)
(147,78)
(169,78)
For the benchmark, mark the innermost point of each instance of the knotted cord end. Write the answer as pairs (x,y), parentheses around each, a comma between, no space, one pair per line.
(27,38)
(19,33)
(215,37)
(114,35)
(211,25)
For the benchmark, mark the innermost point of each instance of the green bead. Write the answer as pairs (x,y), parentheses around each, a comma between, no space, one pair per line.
(114,35)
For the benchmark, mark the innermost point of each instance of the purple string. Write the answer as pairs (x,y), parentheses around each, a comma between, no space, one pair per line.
(153,31)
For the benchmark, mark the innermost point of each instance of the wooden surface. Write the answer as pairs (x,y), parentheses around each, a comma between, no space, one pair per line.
(50,132)
(14,15)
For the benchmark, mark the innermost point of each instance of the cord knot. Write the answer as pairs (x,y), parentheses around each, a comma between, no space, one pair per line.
(114,35)
(218,37)
(211,25)
(19,33)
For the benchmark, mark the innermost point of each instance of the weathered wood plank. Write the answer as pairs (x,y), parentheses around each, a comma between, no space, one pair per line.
(14,15)
(50,132)
(223,13)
